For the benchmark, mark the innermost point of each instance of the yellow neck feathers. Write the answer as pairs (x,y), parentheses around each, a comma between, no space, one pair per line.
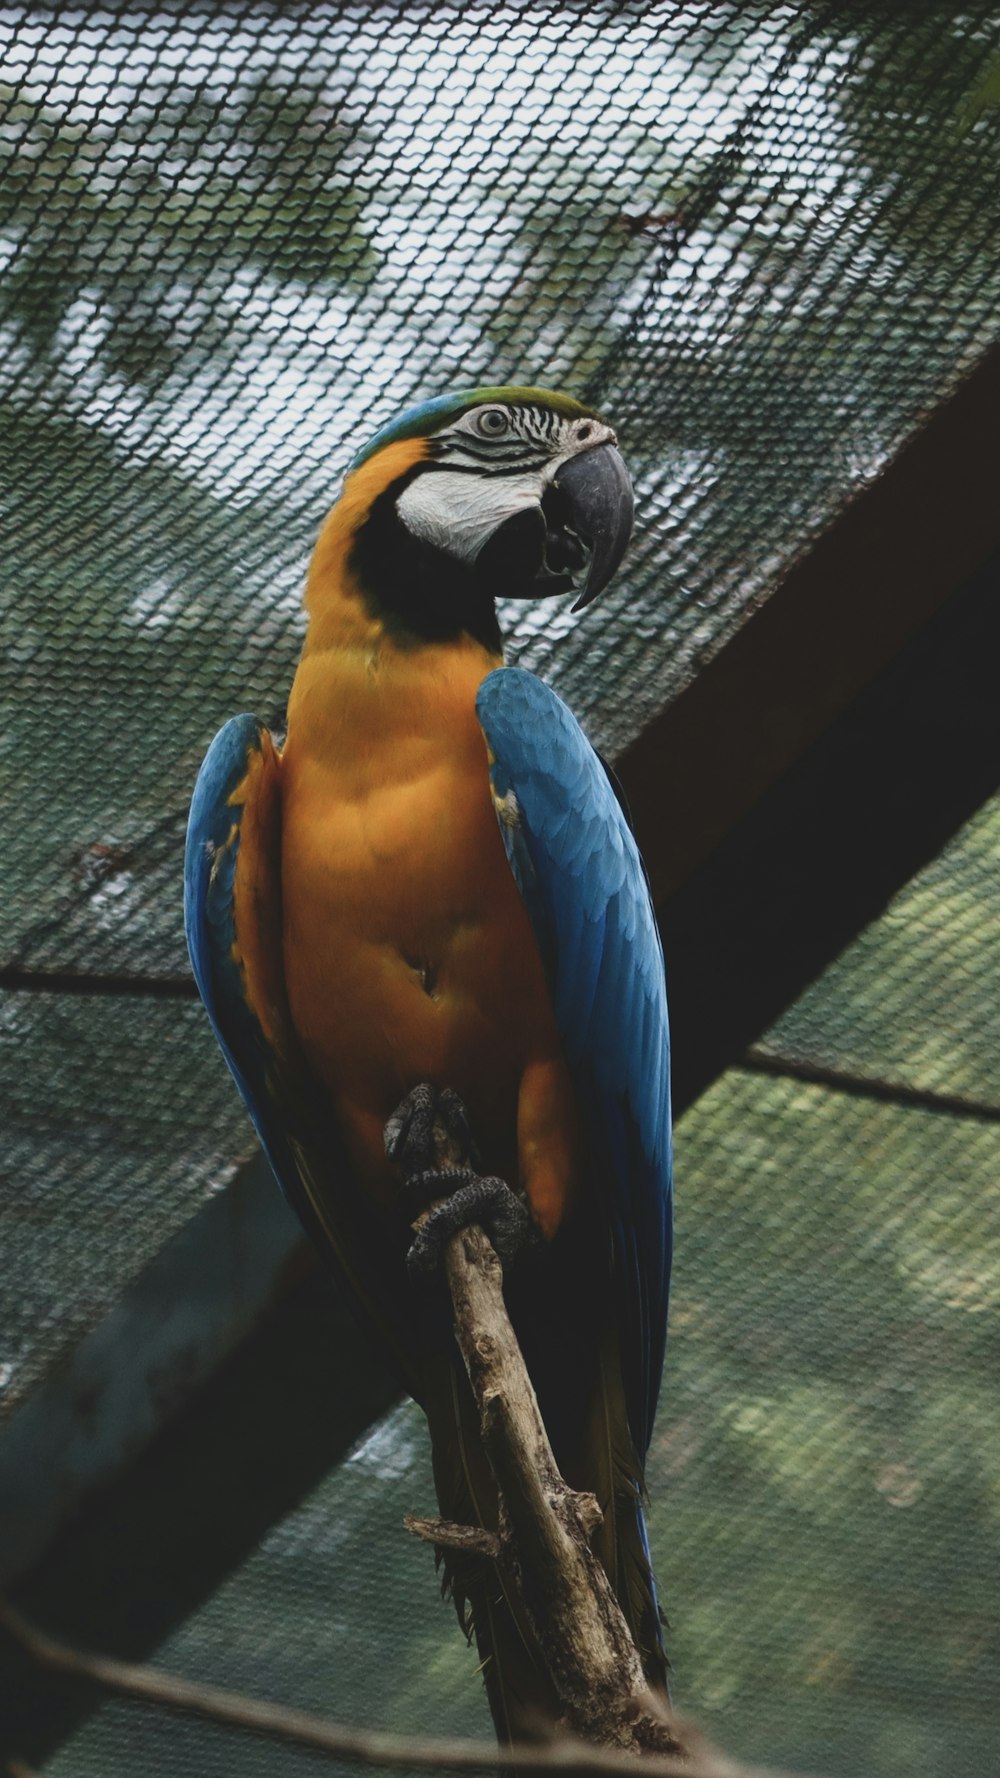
(333,599)
(357,689)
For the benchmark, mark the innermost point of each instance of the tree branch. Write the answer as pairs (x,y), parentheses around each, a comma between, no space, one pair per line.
(301,1728)
(545,1556)
(546,1526)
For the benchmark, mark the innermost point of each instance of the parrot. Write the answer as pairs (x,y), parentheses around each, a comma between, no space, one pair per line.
(430,885)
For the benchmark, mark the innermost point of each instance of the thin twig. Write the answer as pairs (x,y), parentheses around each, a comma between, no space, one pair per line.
(15,980)
(469,1540)
(363,1747)
(866,1086)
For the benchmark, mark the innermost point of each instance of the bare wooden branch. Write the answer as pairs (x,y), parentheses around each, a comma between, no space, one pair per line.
(303,1729)
(546,1527)
(579,1626)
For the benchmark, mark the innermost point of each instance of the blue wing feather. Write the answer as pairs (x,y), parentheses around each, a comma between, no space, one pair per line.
(210,859)
(290,1113)
(579,871)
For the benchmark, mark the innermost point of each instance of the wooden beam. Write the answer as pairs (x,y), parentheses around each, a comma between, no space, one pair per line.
(142,1554)
(820,855)
(886,564)
(170,1330)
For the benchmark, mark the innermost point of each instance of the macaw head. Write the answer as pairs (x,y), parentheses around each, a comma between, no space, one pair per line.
(491,493)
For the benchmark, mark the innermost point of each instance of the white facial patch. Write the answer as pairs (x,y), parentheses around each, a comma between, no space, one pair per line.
(459,512)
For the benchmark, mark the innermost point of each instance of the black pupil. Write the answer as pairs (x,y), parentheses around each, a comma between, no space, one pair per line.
(494,422)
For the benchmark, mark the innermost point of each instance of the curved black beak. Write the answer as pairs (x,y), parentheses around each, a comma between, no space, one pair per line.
(598,489)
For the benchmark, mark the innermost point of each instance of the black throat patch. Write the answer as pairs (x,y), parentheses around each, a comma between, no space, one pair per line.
(419,592)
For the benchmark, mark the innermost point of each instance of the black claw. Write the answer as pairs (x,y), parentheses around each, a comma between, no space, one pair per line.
(452,1112)
(430,1122)
(488,1202)
(429,1139)
(408,1135)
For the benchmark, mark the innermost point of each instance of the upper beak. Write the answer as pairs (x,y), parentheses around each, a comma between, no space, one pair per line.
(598,487)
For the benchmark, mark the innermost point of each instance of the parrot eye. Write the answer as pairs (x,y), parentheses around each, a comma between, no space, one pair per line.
(492,422)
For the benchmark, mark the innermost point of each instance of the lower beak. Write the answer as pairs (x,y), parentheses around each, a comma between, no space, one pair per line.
(598,489)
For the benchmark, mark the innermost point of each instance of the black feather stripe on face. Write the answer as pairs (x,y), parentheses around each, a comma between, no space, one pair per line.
(527,445)
(417,590)
(494,453)
(499,470)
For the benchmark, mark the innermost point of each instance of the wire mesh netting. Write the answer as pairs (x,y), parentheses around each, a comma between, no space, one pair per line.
(235,239)
(100,1164)
(913,1001)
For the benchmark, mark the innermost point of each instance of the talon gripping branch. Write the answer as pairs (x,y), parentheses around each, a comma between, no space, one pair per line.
(433,882)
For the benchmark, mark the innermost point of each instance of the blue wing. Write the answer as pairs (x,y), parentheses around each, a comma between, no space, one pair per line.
(241,750)
(577,866)
(232,921)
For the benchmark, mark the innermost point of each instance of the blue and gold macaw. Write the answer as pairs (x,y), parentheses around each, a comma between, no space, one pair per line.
(433,881)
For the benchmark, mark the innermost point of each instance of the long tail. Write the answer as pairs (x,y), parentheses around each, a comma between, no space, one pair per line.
(522,1701)
(611,1469)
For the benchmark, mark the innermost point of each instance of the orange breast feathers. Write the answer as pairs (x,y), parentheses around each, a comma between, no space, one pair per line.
(408,953)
